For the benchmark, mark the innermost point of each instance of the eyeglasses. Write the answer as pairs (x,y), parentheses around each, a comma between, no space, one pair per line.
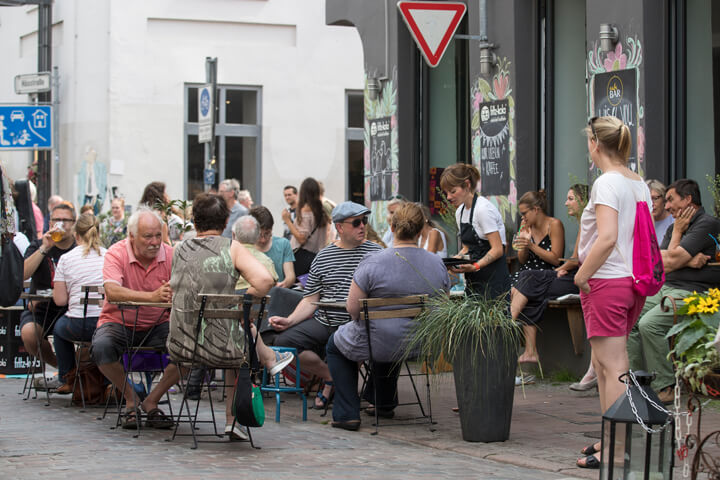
(656,198)
(356,223)
(522,214)
(592,127)
(397,197)
(64,220)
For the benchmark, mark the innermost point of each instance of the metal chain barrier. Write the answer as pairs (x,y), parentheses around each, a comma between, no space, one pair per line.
(681,442)
(650,401)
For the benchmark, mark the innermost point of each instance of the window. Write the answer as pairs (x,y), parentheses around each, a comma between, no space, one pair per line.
(355,144)
(237,139)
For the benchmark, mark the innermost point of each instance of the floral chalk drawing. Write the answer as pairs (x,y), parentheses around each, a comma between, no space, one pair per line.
(624,57)
(484,91)
(384,106)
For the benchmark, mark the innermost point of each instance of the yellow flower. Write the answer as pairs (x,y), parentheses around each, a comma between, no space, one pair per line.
(692,309)
(707,305)
(714,293)
(689,299)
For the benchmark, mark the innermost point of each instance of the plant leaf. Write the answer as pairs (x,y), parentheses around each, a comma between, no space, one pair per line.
(687,340)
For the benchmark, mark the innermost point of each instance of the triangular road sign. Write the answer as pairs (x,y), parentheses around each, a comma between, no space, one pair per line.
(432,25)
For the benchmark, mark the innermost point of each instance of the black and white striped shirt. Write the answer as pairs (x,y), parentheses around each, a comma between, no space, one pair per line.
(331,274)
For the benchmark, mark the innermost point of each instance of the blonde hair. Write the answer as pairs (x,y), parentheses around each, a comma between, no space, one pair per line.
(87,229)
(656,185)
(612,136)
(455,176)
(408,221)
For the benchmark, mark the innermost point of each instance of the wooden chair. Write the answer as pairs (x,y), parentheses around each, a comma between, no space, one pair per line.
(378,309)
(211,307)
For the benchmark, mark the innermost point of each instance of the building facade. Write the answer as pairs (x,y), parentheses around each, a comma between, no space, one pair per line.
(128,74)
(521,122)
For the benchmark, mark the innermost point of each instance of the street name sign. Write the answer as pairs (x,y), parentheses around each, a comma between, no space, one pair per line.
(25,127)
(205,113)
(32,83)
(432,25)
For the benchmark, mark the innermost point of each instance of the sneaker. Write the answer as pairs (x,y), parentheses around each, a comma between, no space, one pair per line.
(282,360)
(52,383)
(524,380)
(667,395)
(237,432)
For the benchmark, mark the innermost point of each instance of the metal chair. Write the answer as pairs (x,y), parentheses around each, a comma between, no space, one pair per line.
(214,307)
(376,309)
(277,387)
(97,299)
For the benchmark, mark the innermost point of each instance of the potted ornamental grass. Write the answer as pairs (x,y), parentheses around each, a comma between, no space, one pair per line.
(481,340)
(695,350)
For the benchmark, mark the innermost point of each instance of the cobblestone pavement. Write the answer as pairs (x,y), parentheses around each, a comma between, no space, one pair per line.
(59,442)
(549,426)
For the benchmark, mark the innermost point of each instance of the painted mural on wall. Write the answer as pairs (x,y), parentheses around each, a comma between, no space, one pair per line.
(493,140)
(614,89)
(381,164)
(92,182)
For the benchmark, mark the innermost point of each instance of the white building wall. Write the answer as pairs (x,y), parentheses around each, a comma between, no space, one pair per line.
(123,66)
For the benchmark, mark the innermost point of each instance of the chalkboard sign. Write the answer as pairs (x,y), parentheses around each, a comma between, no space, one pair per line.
(380,159)
(495,147)
(615,95)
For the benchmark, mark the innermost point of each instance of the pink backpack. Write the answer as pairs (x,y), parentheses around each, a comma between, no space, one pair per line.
(648,271)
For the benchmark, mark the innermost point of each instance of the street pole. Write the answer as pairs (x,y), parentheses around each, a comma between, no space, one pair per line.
(44,167)
(211,78)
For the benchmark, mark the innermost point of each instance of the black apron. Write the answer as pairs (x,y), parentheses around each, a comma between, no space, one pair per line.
(493,280)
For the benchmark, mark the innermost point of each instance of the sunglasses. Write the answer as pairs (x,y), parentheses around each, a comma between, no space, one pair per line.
(592,127)
(356,223)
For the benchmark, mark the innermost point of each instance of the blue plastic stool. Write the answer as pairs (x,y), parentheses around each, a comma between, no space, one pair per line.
(278,389)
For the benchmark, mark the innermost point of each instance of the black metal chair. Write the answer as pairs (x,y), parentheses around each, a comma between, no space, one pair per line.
(214,307)
(377,309)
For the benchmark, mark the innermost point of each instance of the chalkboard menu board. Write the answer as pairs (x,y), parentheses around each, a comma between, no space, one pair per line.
(380,159)
(615,95)
(495,147)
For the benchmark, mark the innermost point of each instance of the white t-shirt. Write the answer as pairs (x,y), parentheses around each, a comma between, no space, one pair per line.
(486,219)
(77,271)
(616,191)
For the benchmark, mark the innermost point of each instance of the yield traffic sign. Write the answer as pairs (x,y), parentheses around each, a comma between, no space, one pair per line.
(432,25)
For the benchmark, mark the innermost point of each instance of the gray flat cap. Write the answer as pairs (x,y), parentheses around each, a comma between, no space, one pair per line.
(347,210)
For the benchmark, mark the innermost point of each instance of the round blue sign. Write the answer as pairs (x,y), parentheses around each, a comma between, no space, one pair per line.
(204,102)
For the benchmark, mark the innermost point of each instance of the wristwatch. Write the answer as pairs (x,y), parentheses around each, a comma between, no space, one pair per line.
(42,252)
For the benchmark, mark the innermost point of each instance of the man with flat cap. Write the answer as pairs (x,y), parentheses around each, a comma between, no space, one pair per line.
(308,328)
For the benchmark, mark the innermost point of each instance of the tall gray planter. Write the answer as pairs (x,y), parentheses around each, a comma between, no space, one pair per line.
(485,387)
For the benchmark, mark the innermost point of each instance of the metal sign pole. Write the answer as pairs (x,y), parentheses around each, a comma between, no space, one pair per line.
(210,158)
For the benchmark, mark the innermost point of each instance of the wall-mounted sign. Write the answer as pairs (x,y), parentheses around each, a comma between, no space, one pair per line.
(380,159)
(32,83)
(494,136)
(615,95)
(205,113)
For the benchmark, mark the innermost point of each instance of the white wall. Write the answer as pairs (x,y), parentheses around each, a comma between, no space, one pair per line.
(123,66)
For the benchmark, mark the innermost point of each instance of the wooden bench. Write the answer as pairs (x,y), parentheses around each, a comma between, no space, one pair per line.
(576,323)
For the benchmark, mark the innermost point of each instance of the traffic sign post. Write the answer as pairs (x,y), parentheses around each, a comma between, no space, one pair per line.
(26,127)
(432,26)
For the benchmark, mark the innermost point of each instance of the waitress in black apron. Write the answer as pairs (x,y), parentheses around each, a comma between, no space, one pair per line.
(488,275)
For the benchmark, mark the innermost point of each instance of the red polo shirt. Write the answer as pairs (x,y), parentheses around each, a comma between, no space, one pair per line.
(123,268)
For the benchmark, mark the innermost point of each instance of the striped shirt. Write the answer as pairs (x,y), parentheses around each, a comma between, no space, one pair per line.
(331,274)
(77,270)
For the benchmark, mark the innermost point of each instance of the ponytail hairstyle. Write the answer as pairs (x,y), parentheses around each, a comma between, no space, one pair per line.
(455,176)
(408,221)
(87,229)
(535,199)
(612,136)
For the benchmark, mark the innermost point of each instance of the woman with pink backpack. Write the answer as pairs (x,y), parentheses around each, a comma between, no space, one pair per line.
(611,299)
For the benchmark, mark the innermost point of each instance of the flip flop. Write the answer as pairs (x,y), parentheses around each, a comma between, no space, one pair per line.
(591,462)
(589,450)
(157,419)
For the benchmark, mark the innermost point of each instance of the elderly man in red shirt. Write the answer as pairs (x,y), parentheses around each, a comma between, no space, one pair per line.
(136,269)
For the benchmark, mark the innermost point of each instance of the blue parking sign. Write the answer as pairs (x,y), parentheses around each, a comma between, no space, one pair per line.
(25,127)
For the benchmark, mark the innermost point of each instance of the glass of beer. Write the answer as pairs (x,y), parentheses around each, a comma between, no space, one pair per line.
(57,233)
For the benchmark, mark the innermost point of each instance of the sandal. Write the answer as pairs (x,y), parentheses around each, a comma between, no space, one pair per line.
(282,360)
(156,418)
(130,422)
(589,450)
(591,462)
(323,399)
